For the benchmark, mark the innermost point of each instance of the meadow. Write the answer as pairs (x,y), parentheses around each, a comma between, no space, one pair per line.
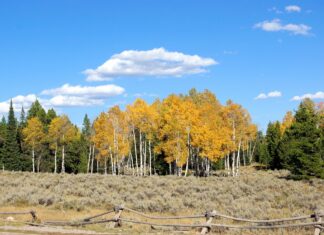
(254,194)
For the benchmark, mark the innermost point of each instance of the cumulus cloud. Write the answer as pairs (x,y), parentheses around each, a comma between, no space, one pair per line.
(155,62)
(17,102)
(317,95)
(73,101)
(272,94)
(275,25)
(293,8)
(72,96)
(65,96)
(103,91)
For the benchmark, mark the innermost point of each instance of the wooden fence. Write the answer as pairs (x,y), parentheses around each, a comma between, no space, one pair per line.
(314,220)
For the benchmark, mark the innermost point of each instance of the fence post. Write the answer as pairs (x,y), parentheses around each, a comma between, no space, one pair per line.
(209,218)
(118,210)
(34,217)
(318,218)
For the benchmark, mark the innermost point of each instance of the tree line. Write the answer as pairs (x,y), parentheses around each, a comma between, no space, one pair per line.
(182,134)
(296,143)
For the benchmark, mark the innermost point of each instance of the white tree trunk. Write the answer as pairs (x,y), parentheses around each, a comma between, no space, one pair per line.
(233,163)
(150,151)
(141,155)
(63,159)
(89,159)
(55,160)
(135,149)
(187,163)
(105,165)
(238,160)
(144,157)
(92,158)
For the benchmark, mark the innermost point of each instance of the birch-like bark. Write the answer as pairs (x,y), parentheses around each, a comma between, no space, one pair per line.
(228,165)
(92,159)
(89,158)
(238,160)
(233,163)
(141,154)
(132,162)
(150,152)
(135,149)
(187,163)
(144,157)
(105,165)
(63,159)
(252,153)
(244,161)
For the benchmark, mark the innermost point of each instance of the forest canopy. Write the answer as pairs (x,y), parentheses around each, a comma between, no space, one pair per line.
(182,134)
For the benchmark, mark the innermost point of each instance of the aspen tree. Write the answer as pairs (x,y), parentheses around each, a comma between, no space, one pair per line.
(34,136)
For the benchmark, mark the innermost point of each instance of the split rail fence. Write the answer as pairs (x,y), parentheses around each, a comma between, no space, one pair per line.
(314,220)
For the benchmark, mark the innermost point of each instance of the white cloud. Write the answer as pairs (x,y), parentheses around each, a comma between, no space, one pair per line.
(275,25)
(103,91)
(272,94)
(17,102)
(77,96)
(317,95)
(73,101)
(65,96)
(293,8)
(155,62)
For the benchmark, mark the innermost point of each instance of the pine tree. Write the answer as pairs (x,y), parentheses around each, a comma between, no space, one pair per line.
(36,110)
(3,134)
(300,148)
(262,155)
(51,114)
(272,140)
(85,145)
(11,154)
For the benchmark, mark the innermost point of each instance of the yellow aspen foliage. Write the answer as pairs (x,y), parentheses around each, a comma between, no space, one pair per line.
(287,121)
(33,133)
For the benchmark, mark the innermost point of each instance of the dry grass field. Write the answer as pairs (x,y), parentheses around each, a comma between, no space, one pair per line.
(255,195)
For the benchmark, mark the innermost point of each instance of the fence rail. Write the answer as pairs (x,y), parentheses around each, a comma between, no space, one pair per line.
(117,220)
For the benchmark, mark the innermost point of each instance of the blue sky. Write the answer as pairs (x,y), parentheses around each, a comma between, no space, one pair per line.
(85,56)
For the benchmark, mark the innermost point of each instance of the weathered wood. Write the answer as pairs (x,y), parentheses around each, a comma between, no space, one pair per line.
(34,217)
(118,210)
(318,218)
(209,218)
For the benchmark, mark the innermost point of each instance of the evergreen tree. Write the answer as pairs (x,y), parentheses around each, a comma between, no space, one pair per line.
(3,134)
(272,140)
(21,126)
(261,153)
(11,153)
(300,149)
(25,165)
(84,144)
(51,114)
(36,110)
